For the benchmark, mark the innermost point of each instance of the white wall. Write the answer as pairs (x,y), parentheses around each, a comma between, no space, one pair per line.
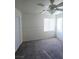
(33,27)
(18,29)
(59,31)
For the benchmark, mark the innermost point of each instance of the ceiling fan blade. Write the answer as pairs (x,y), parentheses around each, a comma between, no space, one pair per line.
(59,9)
(43,11)
(40,4)
(59,5)
(51,1)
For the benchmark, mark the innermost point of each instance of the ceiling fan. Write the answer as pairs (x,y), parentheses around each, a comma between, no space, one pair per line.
(52,7)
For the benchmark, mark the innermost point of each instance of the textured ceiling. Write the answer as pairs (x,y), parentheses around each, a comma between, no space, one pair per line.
(30,6)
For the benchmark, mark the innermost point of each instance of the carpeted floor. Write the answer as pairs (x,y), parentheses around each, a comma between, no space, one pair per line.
(41,49)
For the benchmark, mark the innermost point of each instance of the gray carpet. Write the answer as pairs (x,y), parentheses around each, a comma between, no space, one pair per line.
(41,49)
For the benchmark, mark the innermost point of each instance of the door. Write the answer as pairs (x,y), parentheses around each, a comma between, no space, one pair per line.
(17,32)
(60,26)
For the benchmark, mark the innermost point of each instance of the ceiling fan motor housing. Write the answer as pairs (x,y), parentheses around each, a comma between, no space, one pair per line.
(51,7)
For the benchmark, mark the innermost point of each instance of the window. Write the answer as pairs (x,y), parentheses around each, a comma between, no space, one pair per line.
(59,24)
(49,24)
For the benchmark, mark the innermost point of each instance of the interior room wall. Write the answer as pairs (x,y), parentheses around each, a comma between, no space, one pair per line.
(59,26)
(18,29)
(33,27)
